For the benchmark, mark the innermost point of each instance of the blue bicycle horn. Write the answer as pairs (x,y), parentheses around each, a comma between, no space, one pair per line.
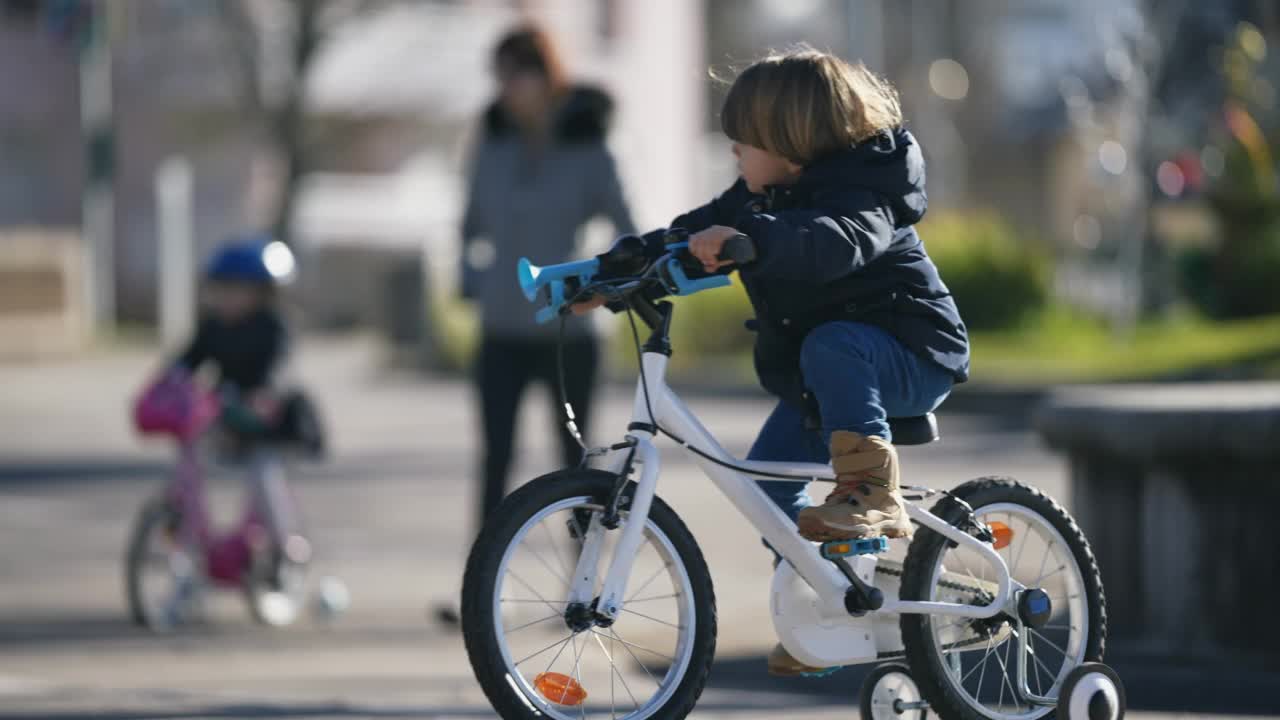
(533,279)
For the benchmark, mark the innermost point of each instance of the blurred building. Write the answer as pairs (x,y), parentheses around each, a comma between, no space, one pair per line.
(391,96)
(985,84)
(1040,109)
(41,259)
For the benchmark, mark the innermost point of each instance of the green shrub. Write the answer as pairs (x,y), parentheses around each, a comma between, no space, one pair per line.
(457,327)
(1246,282)
(711,323)
(998,278)
(1238,279)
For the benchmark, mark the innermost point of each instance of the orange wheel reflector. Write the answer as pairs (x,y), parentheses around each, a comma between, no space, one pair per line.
(559,688)
(1003,534)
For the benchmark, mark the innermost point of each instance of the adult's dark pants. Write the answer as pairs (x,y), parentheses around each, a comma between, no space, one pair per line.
(506,366)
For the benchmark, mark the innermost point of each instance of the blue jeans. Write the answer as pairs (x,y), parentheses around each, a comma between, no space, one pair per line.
(861,376)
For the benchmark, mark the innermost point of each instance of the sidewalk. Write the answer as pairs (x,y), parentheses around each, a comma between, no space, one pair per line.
(391,514)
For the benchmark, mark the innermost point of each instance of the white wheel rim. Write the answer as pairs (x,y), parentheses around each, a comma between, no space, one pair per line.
(169,581)
(281,607)
(614,651)
(1055,654)
(891,688)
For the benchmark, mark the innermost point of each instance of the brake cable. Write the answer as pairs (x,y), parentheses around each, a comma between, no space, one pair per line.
(614,294)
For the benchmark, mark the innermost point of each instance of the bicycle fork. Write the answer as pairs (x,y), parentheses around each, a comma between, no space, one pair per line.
(582,589)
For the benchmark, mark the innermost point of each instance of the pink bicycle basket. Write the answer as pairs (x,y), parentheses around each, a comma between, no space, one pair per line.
(174,405)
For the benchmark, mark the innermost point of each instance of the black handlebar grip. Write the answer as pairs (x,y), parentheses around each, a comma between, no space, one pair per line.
(738,250)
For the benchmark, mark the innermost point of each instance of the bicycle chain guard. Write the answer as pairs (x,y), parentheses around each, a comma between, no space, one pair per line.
(820,640)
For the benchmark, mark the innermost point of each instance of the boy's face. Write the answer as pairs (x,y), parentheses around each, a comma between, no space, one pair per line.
(761,168)
(233,301)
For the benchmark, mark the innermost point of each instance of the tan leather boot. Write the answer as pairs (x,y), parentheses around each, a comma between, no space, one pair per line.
(866,501)
(781,664)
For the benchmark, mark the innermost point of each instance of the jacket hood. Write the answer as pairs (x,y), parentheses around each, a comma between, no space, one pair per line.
(583,117)
(889,164)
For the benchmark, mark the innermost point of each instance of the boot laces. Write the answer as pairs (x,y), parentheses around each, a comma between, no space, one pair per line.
(849,486)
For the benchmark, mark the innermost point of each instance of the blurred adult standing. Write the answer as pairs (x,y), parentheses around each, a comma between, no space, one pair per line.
(539,172)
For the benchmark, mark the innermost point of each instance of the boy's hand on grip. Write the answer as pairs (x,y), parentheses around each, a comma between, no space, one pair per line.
(707,244)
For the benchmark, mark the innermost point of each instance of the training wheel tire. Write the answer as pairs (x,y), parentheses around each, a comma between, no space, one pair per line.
(883,691)
(275,588)
(1092,691)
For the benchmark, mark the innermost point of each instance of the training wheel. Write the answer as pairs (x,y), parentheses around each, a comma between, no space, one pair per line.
(889,693)
(1092,691)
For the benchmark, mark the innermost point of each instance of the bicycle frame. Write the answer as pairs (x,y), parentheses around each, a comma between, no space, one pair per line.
(187,491)
(267,505)
(741,489)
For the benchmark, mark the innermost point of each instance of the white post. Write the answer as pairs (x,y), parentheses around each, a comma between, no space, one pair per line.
(176,289)
(98,203)
(660,54)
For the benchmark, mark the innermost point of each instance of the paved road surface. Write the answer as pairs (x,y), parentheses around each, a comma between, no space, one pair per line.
(390,515)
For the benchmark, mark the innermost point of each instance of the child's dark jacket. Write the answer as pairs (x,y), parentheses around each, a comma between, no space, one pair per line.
(246,353)
(839,245)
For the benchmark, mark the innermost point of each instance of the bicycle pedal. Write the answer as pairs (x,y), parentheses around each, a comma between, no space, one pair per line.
(861,546)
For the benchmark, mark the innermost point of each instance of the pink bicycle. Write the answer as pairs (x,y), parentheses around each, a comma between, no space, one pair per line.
(175,553)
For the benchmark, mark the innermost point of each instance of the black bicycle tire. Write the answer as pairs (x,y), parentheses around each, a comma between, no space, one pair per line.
(481,575)
(917,639)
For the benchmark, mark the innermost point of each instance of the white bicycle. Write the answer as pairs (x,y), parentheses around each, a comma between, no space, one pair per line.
(586,596)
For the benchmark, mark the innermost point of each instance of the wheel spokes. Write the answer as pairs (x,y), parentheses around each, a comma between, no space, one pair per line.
(1065,632)
(623,659)
(560,643)
(613,667)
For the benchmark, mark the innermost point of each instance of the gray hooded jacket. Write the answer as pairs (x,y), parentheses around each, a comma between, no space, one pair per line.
(532,203)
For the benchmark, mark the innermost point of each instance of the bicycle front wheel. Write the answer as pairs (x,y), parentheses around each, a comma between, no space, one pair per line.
(535,656)
(163,574)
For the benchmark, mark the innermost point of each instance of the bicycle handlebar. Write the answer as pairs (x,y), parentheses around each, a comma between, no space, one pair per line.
(644,261)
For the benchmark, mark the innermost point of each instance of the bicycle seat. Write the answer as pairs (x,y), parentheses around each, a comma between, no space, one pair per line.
(920,430)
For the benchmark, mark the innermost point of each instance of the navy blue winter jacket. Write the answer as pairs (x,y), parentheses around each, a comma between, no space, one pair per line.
(839,245)
(246,353)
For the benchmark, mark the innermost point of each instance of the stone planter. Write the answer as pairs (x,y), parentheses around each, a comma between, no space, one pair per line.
(1178,489)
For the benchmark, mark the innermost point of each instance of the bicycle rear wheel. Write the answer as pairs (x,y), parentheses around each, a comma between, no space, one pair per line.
(532,653)
(968,668)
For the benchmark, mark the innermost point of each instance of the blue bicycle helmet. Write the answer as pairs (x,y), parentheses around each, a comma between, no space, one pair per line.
(257,259)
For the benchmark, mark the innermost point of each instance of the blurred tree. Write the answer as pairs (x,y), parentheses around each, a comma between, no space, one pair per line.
(1168,66)
(275,44)
(1000,278)
(1246,194)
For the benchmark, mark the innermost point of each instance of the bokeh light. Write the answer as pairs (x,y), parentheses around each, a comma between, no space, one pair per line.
(1086,231)
(1213,160)
(1252,41)
(1112,157)
(279,260)
(948,79)
(1169,179)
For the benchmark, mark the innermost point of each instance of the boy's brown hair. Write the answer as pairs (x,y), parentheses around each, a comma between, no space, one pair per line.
(803,104)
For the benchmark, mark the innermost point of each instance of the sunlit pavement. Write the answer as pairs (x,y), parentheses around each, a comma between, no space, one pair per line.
(389,514)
